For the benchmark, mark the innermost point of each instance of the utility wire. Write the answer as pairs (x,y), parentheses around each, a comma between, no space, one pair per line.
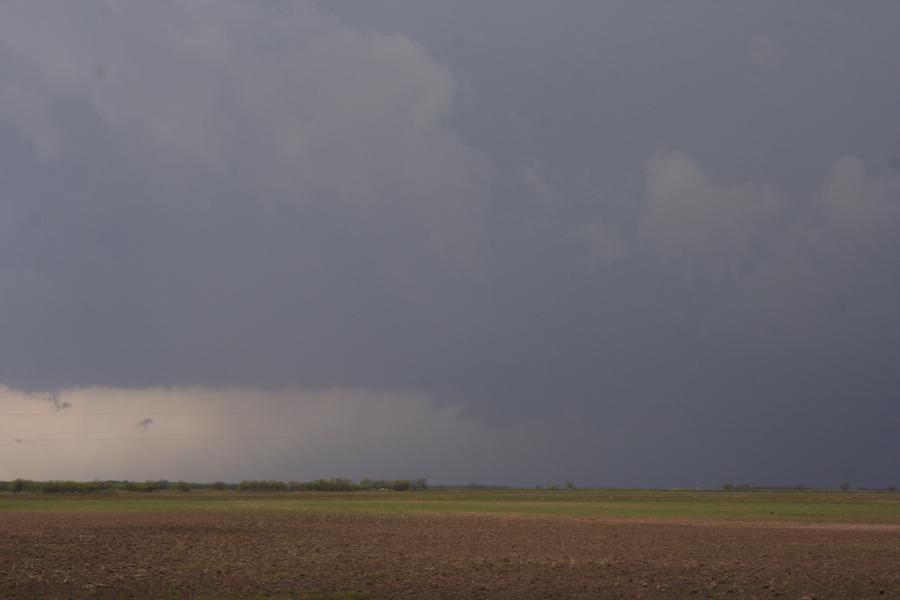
(133,413)
(24,440)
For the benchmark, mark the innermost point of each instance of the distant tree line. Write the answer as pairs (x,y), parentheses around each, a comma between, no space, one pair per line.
(746,487)
(741,487)
(28,486)
(319,485)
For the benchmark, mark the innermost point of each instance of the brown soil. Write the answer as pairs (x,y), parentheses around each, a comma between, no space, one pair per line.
(48,555)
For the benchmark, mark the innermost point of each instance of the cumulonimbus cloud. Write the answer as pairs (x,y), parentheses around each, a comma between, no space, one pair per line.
(689,216)
(253,172)
(299,106)
(789,267)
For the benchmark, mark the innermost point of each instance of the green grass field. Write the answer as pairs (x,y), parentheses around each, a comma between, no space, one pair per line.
(827,507)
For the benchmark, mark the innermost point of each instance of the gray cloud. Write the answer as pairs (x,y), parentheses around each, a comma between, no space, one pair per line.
(461,203)
(302,109)
(828,270)
(689,217)
(267,142)
(764,52)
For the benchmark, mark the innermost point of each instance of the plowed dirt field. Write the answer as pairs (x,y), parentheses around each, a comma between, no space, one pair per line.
(260,554)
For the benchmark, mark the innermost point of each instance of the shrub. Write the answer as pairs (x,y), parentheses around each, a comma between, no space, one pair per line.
(262,486)
(20,485)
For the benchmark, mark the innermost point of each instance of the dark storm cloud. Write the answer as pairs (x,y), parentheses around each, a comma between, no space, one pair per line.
(474,202)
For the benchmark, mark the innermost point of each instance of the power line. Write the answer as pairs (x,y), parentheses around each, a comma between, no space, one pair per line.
(135,413)
(24,440)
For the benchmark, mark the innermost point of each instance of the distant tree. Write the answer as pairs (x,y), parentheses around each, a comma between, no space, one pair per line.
(262,486)
(728,487)
(844,486)
(892,488)
(570,485)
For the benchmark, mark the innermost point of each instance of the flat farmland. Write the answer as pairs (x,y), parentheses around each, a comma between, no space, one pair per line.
(452,544)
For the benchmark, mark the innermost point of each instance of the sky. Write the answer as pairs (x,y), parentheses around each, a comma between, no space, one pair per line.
(510,242)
